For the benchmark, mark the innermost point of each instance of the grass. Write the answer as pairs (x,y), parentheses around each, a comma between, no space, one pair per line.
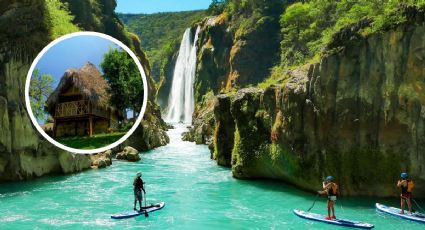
(94,142)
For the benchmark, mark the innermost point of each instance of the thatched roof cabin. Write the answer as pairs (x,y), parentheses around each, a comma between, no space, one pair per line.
(80,103)
(88,81)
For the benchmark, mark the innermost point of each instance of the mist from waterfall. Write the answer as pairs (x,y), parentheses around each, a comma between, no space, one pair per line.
(181,101)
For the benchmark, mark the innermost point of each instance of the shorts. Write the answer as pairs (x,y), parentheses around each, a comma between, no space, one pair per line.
(406,195)
(138,194)
(332,198)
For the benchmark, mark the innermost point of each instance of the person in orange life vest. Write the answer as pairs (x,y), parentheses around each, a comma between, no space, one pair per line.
(405,184)
(330,188)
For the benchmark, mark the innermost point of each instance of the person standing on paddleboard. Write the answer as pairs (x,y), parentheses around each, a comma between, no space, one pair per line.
(138,188)
(406,186)
(330,188)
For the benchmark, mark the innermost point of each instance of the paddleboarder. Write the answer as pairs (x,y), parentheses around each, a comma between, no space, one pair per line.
(330,188)
(138,188)
(406,185)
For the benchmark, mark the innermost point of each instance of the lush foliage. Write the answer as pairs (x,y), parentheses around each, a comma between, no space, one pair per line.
(99,15)
(216,7)
(160,33)
(39,90)
(250,7)
(88,13)
(59,18)
(309,26)
(123,76)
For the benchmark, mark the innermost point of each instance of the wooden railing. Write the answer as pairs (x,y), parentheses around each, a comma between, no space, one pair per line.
(72,108)
(78,108)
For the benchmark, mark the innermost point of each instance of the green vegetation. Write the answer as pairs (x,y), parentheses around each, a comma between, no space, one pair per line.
(216,7)
(160,33)
(313,27)
(59,18)
(123,76)
(89,13)
(94,142)
(247,8)
(40,89)
(99,15)
(309,27)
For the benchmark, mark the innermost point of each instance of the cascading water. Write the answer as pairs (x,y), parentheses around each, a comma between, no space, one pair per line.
(181,100)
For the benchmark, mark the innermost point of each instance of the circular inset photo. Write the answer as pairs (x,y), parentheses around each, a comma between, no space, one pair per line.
(86,92)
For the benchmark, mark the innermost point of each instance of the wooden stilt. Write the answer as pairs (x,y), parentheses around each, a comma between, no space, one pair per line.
(109,118)
(91,126)
(54,128)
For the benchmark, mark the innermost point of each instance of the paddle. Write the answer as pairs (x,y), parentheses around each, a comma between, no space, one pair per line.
(314,202)
(146,212)
(145,199)
(418,205)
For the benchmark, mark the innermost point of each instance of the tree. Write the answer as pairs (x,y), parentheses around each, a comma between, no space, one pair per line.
(40,89)
(216,7)
(123,76)
(296,29)
(59,18)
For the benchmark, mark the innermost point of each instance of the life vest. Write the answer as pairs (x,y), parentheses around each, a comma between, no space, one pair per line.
(333,190)
(410,185)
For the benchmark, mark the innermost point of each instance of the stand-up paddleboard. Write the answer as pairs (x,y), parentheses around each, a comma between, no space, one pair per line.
(340,222)
(147,209)
(418,217)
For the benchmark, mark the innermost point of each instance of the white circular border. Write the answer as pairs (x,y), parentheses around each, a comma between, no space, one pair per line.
(86,151)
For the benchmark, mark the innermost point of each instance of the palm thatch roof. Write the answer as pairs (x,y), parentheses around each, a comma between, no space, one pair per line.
(88,81)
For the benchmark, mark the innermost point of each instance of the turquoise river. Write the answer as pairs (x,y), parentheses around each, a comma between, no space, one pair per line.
(198,194)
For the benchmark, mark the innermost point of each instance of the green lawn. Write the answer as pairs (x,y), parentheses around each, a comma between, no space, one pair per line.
(94,142)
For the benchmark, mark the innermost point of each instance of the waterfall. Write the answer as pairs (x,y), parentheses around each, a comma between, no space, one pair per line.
(181,101)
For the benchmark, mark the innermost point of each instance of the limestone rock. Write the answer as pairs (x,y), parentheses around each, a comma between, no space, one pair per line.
(151,132)
(129,154)
(224,131)
(202,130)
(101,160)
(70,162)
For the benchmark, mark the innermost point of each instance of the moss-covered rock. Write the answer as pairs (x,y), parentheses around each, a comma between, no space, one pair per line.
(224,131)
(151,133)
(214,44)
(236,50)
(202,128)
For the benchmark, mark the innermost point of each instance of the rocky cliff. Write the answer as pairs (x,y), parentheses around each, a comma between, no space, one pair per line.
(25,28)
(357,115)
(232,53)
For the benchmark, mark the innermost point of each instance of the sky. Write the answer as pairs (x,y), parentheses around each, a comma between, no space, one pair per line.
(73,52)
(155,6)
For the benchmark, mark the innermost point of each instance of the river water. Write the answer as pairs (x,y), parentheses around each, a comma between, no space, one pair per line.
(198,194)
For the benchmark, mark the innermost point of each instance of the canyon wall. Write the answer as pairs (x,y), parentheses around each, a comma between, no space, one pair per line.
(358,115)
(25,28)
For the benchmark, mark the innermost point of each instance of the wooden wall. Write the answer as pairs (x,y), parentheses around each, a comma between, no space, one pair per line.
(81,127)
